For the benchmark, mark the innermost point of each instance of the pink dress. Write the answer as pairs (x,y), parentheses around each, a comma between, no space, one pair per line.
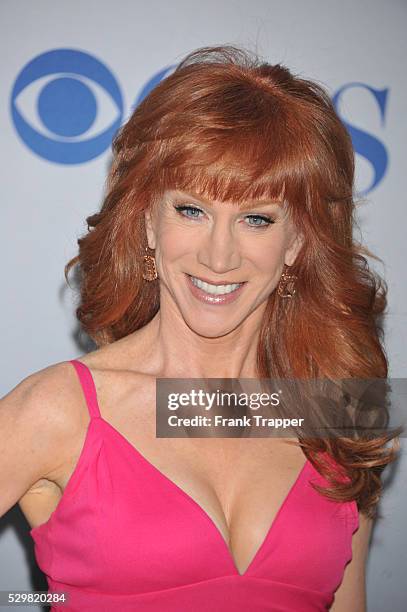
(124,537)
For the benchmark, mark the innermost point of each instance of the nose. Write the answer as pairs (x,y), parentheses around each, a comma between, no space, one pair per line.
(219,250)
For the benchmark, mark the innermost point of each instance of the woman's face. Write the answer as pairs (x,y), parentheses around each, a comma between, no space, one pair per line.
(216,242)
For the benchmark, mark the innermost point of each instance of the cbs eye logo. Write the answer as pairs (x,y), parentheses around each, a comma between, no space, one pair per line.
(66,106)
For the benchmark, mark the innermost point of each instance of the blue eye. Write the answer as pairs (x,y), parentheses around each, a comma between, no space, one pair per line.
(267,220)
(181,208)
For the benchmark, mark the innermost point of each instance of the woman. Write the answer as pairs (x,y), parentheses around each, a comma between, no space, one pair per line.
(232,173)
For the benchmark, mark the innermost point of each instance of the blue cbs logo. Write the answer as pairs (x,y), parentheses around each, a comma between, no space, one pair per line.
(61,98)
(59,104)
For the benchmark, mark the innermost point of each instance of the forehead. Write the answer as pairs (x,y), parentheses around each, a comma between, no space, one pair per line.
(247,204)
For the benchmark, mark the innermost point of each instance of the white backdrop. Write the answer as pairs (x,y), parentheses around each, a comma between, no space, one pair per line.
(56,155)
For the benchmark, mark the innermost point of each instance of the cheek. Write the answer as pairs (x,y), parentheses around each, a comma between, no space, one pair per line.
(269,255)
(172,243)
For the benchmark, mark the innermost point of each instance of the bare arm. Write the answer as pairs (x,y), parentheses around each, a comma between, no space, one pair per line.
(36,426)
(351,595)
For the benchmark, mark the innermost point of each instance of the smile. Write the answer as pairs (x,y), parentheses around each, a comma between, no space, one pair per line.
(214,289)
(214,293)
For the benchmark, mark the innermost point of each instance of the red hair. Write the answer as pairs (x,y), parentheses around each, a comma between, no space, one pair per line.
(230,127)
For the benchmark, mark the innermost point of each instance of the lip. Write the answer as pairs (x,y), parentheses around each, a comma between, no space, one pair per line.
(214,300)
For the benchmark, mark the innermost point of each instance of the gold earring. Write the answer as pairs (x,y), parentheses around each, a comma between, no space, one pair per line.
(284,280)
(150,270)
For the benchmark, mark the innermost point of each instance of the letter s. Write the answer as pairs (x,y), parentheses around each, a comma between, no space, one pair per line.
(364,143)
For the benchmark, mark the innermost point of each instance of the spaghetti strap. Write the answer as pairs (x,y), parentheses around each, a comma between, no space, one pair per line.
(88,386)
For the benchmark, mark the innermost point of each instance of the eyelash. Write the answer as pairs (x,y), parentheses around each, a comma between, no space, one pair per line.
(182,207)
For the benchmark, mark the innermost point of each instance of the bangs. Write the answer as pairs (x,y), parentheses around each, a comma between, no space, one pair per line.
(239,166)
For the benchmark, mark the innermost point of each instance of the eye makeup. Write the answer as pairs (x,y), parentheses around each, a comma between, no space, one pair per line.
(265,220)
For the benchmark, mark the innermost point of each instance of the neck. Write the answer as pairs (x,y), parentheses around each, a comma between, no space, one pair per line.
(172,349)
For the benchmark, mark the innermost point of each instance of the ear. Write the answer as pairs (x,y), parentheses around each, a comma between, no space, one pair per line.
(150,231)
(294,248)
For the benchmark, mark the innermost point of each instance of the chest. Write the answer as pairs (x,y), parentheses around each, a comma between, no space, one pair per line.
(177,514)
(239,486)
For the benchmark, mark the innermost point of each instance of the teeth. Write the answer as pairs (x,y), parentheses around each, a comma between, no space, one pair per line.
(214,289)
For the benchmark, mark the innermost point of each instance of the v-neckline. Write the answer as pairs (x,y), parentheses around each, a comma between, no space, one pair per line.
(203,512)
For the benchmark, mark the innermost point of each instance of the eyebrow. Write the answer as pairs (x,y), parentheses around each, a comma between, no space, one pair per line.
(245,206)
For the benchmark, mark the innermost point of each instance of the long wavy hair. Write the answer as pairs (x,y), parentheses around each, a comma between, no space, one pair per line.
(231,127)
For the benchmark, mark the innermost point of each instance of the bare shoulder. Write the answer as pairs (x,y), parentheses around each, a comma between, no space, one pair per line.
(46,397)
(39,420)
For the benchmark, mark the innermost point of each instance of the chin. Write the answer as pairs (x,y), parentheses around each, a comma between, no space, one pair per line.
(205,329)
